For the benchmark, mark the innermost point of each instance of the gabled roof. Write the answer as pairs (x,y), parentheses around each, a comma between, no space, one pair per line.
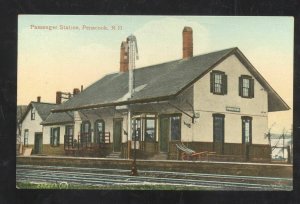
(68,117)
(59,118)
(275,102)
(43,109)
(21,110)
(161,82)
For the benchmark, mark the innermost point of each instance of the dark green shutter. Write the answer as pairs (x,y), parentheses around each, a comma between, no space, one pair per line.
(58,136)
(90,132)
(96,134)
(212,79)
(243,131)
(240,86)
(80,134)
(224,84)
(250,131)
(251,88)
(51,136)
(65,136)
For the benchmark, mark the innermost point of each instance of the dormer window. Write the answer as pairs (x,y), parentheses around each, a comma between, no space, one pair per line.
(218,83)
(246,86)
(32,113)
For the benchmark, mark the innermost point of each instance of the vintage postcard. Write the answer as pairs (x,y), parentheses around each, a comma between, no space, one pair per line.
(155,102)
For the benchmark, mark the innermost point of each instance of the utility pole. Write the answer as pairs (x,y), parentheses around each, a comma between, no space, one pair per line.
(132,54)
(290,147)
(283,143)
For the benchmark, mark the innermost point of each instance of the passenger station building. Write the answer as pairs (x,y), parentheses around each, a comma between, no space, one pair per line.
(210,102)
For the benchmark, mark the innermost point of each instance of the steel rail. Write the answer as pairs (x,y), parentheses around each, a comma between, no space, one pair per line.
(80,169)
(145,178)
(92,177)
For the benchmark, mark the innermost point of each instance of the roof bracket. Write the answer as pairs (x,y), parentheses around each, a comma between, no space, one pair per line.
(84,115)
(191,116)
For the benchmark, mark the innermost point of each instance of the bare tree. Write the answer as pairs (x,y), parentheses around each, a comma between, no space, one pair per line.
(268,134)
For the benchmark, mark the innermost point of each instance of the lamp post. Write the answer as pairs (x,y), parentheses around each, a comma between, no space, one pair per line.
(132,50)
(133,166)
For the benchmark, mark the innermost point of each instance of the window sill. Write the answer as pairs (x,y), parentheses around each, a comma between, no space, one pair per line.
(218,93)
(247,97)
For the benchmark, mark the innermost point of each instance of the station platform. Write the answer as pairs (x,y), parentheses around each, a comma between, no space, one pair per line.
(209,167)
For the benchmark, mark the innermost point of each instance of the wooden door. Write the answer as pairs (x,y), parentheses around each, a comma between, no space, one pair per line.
(117,135)
(218,133)
(38,143)
(164,134)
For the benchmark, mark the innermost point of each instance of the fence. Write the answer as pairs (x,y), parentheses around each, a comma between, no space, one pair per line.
(282,154)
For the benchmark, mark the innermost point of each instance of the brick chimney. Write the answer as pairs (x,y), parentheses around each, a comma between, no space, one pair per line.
(124,57)
(38,99)
(58,97)
(187,39)
(76,91)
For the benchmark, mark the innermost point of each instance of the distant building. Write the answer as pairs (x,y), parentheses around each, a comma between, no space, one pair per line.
(30,128)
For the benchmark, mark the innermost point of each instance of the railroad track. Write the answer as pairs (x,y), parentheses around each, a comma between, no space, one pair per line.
(96,176)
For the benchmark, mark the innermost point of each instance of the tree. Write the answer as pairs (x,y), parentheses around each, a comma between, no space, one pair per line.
(268,134)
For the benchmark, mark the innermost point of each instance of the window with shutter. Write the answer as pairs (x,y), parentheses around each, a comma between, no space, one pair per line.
(246,86)
(218,83)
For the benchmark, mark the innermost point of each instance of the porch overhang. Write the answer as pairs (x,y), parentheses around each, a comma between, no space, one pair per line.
(56,123)
(114,104)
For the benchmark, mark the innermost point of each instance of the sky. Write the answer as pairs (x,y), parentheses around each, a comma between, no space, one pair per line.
(52,59)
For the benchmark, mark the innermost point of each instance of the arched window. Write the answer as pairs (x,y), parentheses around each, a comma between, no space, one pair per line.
(99,131)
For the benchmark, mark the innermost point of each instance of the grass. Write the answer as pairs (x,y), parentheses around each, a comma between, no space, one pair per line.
(30,185)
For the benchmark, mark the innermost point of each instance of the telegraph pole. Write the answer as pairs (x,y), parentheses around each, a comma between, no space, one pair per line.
(132,54)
